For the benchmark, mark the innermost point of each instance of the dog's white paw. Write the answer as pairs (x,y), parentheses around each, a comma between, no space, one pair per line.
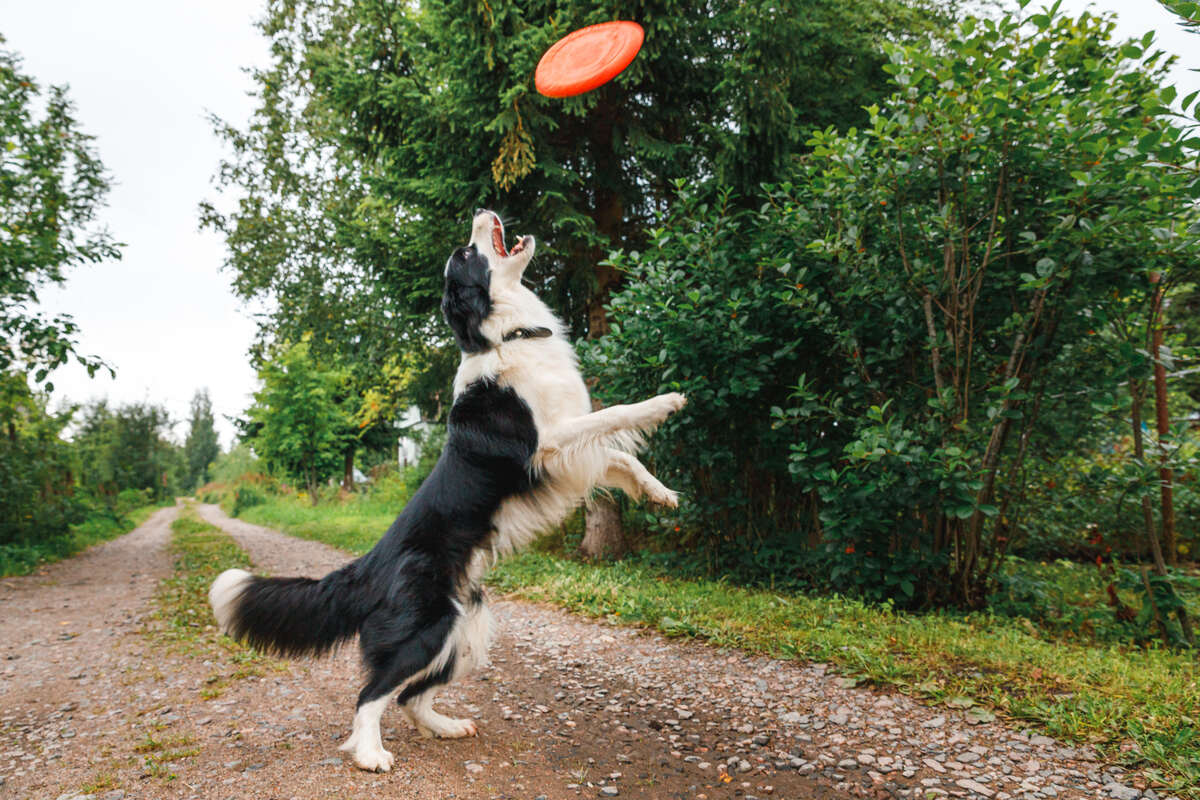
(449,728)
(670,403)
(664,497)
(374,759)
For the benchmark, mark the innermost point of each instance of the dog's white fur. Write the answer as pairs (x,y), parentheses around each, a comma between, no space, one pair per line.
(578,449)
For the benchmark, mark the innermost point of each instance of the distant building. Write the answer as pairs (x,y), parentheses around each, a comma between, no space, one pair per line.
(413,430)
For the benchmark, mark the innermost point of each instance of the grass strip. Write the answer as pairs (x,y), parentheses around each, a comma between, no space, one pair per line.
(200,552)
(1139,706)
(24,558)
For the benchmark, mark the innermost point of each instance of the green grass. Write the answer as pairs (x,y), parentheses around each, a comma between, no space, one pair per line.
(25,558)
(200,552)
(1077,689)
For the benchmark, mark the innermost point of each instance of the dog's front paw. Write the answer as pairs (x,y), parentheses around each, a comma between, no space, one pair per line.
(374,759)
(664,497)
(667,404)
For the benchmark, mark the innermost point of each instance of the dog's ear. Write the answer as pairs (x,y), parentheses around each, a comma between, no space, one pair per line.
(465,307)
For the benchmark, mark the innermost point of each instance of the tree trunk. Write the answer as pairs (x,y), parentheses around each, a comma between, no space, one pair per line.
(1160,568)
(603,535)
(348,472)
(1165,473)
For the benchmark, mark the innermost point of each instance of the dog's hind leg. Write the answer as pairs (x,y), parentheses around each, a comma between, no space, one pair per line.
(420,713)
(391,667)
(470,639)
(626,473)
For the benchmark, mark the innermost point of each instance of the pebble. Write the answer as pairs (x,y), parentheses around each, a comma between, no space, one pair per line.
(1119,791)
(609,791)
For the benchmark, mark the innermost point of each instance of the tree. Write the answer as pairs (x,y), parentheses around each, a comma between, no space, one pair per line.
(37,469)
(127,448)
(52,185)
(201,447)
(931,288)
(381,126)
(303,428)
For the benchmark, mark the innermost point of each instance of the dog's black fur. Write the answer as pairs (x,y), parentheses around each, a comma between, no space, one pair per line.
(404,596)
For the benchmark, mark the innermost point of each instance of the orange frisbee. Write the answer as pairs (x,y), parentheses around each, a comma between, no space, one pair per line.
(587,58)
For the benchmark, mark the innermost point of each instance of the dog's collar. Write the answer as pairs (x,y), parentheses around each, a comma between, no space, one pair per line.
(528,333)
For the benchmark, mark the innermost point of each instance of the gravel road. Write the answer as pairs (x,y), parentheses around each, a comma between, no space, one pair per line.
(570,708)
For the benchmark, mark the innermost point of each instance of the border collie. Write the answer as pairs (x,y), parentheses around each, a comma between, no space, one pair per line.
(523,449)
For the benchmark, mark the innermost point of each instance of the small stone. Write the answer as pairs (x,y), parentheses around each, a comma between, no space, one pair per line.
(1119,791)
(967,757)
(609,791)
(791,717)
(974,786)
(744,766)
(255,767)
(474,768)
(933,765)
(115,794)
(936,722)
(330,762)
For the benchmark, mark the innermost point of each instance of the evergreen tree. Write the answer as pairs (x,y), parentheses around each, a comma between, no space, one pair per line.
(201,447)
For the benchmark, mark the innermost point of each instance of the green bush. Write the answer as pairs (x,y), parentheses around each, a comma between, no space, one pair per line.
(246,497)
(874,357)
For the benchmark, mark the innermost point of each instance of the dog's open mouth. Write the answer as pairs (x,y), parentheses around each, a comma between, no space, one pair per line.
(498,239)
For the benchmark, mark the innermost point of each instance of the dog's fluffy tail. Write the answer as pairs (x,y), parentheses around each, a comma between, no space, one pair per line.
(287,616)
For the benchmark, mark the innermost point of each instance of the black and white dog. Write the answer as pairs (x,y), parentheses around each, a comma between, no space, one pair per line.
(523,450)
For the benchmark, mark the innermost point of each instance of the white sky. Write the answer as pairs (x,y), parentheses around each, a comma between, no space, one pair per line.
(143,75)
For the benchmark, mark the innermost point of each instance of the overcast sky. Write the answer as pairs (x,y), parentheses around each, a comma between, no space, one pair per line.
(143,75)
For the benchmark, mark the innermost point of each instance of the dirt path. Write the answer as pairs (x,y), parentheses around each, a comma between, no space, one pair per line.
(570,708)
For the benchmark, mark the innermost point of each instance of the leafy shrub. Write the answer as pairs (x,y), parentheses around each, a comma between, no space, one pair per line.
(872,357)
(246,497)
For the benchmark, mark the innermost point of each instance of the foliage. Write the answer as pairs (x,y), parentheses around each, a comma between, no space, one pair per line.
(52,185)
(1187,10)
(240,460)
(37,468)
(304,425)
(100,525)
(956,259)
(127,447)
(381,127)
(201,447)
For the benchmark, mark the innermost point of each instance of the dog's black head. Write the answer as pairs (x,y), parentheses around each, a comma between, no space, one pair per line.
(466,299)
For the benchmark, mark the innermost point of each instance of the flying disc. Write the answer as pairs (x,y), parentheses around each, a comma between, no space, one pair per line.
(587,58)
